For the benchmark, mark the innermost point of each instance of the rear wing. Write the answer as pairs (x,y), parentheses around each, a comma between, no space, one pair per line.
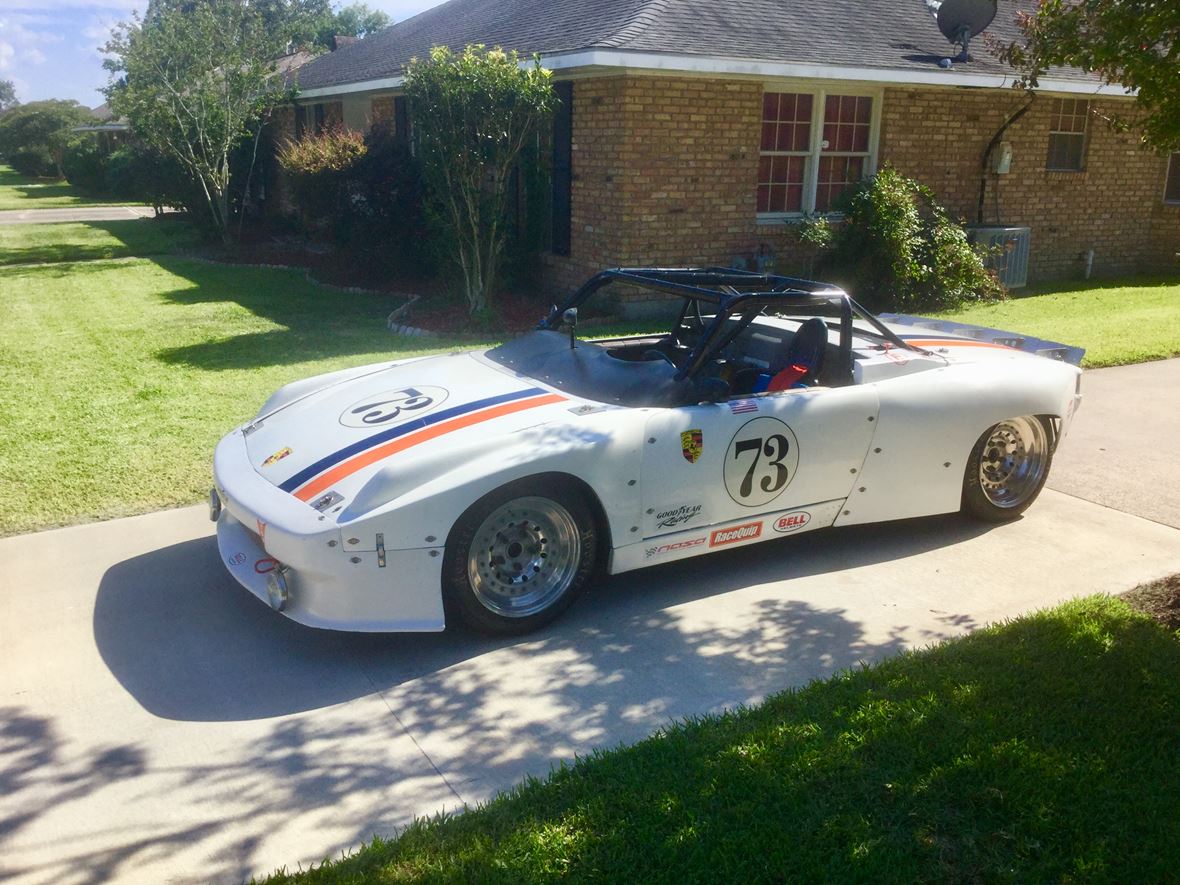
(1054,350)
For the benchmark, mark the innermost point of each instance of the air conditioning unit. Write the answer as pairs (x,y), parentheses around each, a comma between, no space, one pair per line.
(1007,252)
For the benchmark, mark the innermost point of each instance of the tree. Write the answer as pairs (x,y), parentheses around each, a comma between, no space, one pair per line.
(472,113)
(34,136)
(1133,43)
(196,80)
(7,96)
(355,20)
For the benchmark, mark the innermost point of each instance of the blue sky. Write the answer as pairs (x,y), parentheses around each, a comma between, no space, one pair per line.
(49,49)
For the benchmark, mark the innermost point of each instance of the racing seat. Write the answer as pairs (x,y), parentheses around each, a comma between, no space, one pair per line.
(802,358)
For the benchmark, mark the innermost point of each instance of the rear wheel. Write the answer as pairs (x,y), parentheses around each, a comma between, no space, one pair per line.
(1007,468)
(519,556)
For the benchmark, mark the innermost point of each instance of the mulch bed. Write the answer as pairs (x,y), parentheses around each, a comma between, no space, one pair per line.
(438,310)
(1159,599)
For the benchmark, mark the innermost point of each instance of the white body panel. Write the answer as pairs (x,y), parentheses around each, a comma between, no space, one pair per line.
(357,478)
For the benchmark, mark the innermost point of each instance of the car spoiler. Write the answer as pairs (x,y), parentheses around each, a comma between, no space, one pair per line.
(1054,350)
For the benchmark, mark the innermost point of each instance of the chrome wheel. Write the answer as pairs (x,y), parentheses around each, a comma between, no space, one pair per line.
(1013,462)
(524,556)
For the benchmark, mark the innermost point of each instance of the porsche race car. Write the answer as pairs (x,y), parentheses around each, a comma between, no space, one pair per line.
(493,485)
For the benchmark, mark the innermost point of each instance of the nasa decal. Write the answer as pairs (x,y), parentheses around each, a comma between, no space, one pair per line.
(761,461)
(382,409)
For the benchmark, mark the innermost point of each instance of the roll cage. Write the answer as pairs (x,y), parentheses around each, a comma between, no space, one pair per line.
(736,299)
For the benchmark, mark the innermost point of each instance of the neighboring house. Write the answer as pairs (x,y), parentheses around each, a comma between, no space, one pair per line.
(693,132)
(111,133)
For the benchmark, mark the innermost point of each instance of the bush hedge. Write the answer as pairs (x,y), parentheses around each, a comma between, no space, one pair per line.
(898,249)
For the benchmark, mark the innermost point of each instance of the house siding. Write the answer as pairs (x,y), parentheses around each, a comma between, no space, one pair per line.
(664,172)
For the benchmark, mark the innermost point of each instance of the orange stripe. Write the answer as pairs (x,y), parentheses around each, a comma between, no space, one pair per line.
(364,459)
(944,342)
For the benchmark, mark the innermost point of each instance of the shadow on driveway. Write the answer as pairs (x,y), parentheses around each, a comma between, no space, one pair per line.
(189,644)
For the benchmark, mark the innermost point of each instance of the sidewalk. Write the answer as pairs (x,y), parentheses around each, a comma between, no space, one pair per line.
(79,213)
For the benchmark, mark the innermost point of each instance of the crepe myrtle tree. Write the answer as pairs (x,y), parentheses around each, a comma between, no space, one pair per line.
(195,80)
(1134,43)
(472,113)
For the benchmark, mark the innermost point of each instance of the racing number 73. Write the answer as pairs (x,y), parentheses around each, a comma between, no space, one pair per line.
(762,460)
(774,447)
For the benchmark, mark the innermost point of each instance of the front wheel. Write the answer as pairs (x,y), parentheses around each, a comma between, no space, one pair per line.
(1007,468)
(518,556)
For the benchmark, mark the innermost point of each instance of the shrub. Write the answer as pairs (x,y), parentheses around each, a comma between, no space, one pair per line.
(386,193)
(137,172)
(85,166)
(897,249)
(319,167)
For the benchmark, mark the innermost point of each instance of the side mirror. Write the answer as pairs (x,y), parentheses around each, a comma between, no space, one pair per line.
(570,318)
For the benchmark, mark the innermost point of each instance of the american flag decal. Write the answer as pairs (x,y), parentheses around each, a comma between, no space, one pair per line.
(741,406)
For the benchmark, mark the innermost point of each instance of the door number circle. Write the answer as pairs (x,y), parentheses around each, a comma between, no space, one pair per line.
(761,461)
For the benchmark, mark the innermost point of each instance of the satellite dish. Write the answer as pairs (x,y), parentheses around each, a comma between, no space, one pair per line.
(960,20)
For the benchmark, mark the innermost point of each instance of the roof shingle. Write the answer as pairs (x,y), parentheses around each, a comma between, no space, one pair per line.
(897,35)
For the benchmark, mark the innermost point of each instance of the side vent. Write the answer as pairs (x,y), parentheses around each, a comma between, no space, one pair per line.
(1007,252)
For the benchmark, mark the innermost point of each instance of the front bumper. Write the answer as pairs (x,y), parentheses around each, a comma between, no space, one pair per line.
(260,528)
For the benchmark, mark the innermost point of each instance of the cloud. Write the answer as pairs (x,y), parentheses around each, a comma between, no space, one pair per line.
(20,46)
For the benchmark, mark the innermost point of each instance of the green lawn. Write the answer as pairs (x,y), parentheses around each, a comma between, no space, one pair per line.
(19,192)
(69,241)
(117,378)
(1002,756)
(1128,321)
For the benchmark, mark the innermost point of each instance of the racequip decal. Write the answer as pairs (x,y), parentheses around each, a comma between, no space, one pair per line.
(331,469)
(746,532)
(277,456)
(761,462)
(676,545)
(692,443)
(237,559)
(789,522)
(674,516)
(379,409)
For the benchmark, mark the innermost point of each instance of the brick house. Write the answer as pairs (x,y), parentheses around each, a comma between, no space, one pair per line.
(695,132)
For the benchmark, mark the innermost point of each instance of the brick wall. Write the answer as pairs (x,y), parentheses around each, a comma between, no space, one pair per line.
(1114,206)
(664,172)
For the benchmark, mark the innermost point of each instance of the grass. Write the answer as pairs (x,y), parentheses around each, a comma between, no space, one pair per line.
(19,192)
(117,377)
(70,241)
(1002,756)
(1117,322)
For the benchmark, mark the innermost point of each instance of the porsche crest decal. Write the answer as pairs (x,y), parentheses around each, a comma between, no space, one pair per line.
(692,443)
(277,456)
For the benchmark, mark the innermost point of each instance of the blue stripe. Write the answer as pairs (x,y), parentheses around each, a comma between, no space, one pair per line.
(310,472)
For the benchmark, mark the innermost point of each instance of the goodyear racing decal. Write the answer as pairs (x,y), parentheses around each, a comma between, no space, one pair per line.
(318,477)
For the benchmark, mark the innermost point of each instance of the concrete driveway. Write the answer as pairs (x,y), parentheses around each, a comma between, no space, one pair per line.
(159,724)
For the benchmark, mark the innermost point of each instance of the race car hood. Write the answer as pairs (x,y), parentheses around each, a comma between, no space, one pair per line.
(322,446)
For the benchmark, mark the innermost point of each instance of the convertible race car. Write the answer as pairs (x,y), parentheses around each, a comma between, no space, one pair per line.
(493,485)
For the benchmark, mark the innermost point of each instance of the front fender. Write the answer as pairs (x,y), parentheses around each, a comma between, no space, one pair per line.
(412,512)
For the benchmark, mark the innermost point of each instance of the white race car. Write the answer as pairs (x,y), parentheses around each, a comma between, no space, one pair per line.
(493,485)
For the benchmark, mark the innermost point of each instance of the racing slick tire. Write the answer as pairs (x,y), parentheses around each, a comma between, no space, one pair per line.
(1007,468)
(519,556)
